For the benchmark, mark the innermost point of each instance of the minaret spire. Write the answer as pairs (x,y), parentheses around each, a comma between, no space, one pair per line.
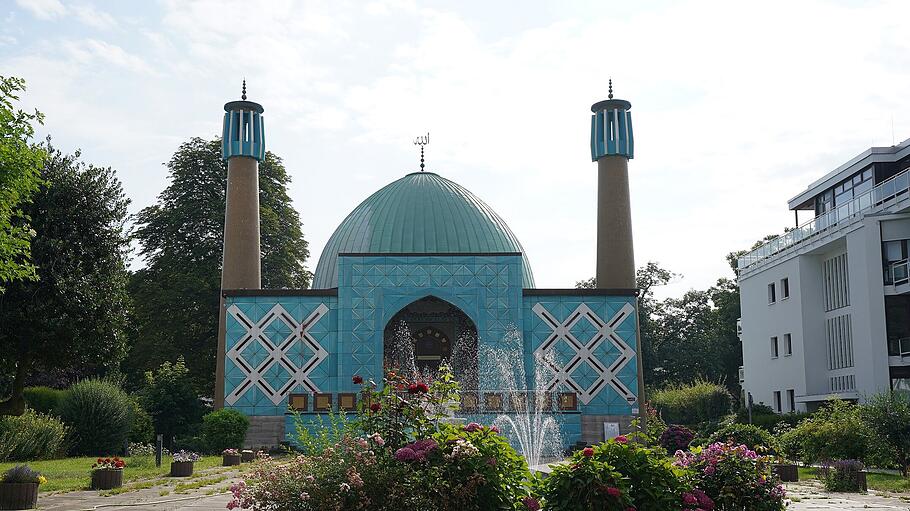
(610,89)
(422,141)
(243,94)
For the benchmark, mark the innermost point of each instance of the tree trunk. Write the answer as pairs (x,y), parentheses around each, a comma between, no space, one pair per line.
(15,405)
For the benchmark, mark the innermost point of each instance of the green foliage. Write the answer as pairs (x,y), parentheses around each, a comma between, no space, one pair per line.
(143,430)
(30,436)
(170,398)
(21,474)
(74,316)
(99,416)
(315,435)
(888,416)
(751,436)
(180,238)
(43,399)
(692,404)
(842,476)
(654,483)
(20,165)
(585,482)
(834,432)
(765,418)
(223,429)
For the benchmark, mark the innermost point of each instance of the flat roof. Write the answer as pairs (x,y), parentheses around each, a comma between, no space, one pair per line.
(857,163)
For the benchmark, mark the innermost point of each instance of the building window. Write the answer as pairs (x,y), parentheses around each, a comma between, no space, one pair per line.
(772,294)
(784,288)
(791,400)
(788,345)
(777,401)
(896,267)
(774,348)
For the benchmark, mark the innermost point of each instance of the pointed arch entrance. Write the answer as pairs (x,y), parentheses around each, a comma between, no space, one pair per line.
(429,332)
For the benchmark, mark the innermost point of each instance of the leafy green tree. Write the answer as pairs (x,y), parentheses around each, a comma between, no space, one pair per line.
(888,415)
(20,167)
(176,295)
(171,400)
(74,315)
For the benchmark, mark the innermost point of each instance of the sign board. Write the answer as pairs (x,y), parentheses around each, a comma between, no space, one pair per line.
(611,430)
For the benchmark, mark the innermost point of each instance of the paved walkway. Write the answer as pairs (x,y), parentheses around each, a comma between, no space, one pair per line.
(159,495)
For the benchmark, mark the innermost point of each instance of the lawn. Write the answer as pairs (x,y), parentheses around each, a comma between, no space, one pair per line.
(881,482)
(70,474)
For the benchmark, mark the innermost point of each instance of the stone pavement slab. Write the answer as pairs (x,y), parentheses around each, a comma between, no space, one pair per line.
(810,495)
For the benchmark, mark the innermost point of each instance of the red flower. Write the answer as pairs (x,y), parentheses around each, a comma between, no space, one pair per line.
(412,388)
(614,492)
(100,460)
(422,387)
(621,439)
(375,407)
(357,379)
(588,452)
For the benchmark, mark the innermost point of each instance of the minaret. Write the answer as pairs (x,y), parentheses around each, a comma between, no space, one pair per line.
(243,146)
(612,147)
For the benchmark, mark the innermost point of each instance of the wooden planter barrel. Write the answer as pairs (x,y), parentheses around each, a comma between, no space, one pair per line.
(247,456)
(181,468)
(18,495)
(787,472)
(107,478)
(861,481)
(229,460)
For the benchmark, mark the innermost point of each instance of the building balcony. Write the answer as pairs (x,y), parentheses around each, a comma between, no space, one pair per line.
(886,194)
(897,273)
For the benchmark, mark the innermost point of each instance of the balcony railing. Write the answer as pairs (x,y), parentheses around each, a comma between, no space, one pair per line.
(897,187)
(897,273)
(899,347)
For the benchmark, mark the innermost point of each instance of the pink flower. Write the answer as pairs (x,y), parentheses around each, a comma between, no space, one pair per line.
(378,439)
(689,499)
(621,439)
(494,429)
(472,427)
(405,454)
(531,503)
(587,452)
(614,492)
(709,470)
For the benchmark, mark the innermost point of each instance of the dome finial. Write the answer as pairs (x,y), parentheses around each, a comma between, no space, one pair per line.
(610,90)
(422,141)
(243,94)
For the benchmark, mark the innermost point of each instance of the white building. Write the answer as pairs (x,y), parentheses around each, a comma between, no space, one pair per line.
(826,306)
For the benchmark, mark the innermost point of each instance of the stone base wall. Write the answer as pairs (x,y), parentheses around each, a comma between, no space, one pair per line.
(265,431)
(592,426)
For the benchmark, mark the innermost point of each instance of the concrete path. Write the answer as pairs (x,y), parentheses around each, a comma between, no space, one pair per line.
(810,495)
(159,494)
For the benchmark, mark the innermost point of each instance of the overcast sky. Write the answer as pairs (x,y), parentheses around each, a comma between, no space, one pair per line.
(736,107)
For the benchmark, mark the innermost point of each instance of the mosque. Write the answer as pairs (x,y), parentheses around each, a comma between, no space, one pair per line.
(425,262)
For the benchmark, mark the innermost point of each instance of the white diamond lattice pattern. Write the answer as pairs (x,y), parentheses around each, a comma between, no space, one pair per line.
(603,373)
(277,354)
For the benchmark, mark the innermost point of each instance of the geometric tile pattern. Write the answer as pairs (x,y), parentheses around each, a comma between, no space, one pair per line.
(583,332)
(276,354)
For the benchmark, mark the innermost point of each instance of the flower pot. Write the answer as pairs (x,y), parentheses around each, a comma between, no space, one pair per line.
(107,478)
(247,456)
(181,468)
(787,472)
(18,495)
(229,460)
(861,481)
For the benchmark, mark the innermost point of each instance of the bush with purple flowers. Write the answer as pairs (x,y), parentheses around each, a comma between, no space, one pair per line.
(734,477)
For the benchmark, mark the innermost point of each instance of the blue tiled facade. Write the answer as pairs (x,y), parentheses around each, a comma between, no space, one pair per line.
(284,342)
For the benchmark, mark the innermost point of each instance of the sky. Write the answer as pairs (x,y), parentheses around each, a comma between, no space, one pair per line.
(737,106)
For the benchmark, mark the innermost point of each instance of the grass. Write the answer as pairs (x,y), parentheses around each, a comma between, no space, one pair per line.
(70,474)
(893,483)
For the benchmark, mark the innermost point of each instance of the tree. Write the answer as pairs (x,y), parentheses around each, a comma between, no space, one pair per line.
(74,314)
(171,400)
(176,295)
(20,168)
(888,415)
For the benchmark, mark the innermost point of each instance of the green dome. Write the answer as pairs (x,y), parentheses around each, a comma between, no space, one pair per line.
(418,214)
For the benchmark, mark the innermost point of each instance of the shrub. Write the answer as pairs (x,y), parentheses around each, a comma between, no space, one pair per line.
(842,476)
(676,438)
(692,404)
(170,398)
(888,415)
(585,483)
(143,431)
(835,431)
(30,436)
(223,429)
(751,436)
(22,474)
(654,483)
(99,415)
(43,399)
(735,477)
